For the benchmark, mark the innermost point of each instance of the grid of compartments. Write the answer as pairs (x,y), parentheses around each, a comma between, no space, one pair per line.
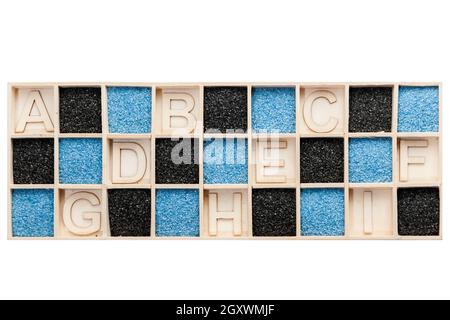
(231,160)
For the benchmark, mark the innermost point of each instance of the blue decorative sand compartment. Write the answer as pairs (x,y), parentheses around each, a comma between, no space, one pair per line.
(322,212)
(32,212)
(80,161)
(129,109)
(225,161)
(370,160)
(273,110)
(177,213)
(418,109)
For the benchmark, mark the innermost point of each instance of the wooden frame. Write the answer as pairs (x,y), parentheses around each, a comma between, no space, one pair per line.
(198,133)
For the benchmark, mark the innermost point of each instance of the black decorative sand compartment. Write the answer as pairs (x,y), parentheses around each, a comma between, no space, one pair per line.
(177,161)
(370,109)
(321,160)
(225,108)
(33,161)
(129,212)
(80,110)
(274,212)
(418,211)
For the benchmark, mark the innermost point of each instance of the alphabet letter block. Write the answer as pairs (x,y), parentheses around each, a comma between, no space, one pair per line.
(130,161)
(177,111)
(225,213)
(274,160)
(322,110)
(371,212)
(419,159)
(81,214)
(33,113)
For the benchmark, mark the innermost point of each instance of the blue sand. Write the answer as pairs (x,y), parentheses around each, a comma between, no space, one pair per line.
(32,213)
(177,213)
(225,161)
(322,212)
(370,160)
(129,109)
(80,161)
(273,110)
(418,109)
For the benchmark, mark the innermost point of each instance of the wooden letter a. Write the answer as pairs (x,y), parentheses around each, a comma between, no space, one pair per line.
(34,99)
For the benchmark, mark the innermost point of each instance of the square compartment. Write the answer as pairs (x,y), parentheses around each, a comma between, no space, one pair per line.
(274,212)
(418,211)
(129,161)
(370,160)
(80,161)
(322,212)
(32,212)
(418,159)
(33,110)
(225,161)
(129,109)
(225,213)
(418,109)
(322,110)
(129,212)
(177,161)
(321,160)
(33,161)
(80,110)
(273,110)
(371,212)
(177,213)
(225,109)
(178,111)
(370,109)
(274,160)
(80,214)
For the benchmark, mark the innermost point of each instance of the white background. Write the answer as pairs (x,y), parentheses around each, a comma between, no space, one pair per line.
(232,40)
